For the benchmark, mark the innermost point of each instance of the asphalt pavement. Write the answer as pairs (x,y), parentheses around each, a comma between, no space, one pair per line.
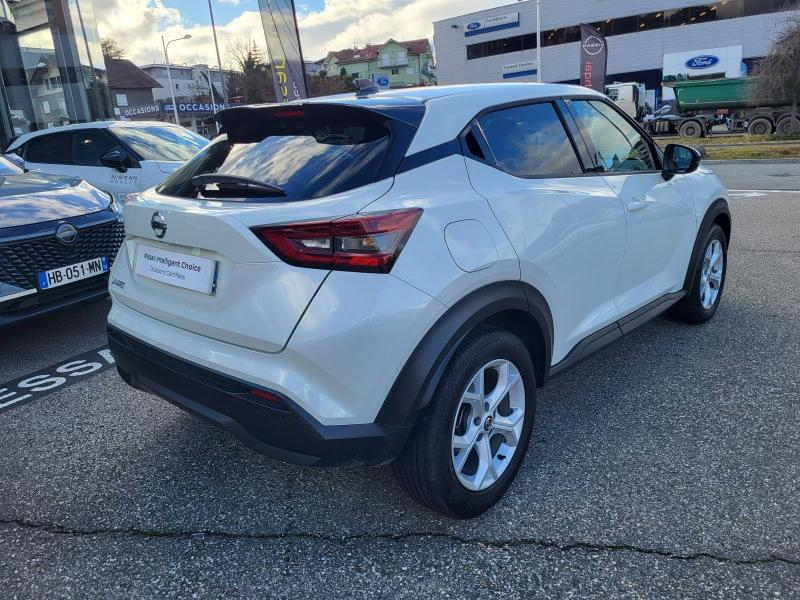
(666,466)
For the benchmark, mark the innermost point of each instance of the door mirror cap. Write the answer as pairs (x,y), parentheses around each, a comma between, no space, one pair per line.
(16,159)
(115,159)
(679,159)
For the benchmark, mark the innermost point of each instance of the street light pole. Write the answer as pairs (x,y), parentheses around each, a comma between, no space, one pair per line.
(219,62)
(538,42)
(169,75)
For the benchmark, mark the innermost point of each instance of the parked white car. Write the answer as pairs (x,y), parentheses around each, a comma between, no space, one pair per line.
(390,277)
(120,157)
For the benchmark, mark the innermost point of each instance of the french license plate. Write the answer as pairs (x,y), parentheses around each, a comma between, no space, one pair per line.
(176,268)
(72,273)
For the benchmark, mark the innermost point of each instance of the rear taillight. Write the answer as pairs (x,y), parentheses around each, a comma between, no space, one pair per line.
(369,242)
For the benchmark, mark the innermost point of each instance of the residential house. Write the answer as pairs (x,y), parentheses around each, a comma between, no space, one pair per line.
(131,89)
(398,64)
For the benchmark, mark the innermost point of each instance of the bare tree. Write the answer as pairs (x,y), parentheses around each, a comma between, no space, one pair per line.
(111,48)
(777,76)
(251,81)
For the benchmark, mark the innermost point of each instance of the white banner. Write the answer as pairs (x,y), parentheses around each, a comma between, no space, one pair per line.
(492,24)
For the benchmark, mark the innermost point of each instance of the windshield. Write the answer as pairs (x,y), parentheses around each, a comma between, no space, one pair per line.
(8,168)
(295,157)
(161,143)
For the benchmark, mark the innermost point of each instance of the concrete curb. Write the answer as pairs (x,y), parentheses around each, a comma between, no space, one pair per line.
(752,161)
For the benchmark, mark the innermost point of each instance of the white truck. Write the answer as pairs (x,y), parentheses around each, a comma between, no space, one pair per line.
(630,97)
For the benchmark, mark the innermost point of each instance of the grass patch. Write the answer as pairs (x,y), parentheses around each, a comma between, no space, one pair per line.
(742,147)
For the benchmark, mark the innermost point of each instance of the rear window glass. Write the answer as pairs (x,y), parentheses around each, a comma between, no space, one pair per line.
(289,155)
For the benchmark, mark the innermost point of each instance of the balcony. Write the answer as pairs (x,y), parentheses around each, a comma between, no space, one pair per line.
(393,61)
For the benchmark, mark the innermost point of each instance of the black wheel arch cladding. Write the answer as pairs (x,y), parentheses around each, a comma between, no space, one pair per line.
(422,372)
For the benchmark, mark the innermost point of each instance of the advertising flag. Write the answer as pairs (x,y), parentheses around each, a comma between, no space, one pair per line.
(594,59)
(283,46)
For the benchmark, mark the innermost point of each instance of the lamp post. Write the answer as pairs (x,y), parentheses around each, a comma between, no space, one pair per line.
(219,62)
(169,75)
(538,42)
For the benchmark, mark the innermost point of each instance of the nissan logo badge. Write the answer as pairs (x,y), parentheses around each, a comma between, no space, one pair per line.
(159,225)
(66,234)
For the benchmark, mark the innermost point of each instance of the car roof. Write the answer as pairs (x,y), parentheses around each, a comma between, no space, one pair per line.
(449,108)
(90,125)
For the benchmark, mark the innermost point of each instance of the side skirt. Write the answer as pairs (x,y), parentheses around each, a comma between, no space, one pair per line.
(611,333)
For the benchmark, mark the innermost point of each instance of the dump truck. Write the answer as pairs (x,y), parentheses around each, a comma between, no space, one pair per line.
(698,102)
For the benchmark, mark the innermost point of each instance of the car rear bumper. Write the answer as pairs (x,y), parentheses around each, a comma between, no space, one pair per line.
(280,429)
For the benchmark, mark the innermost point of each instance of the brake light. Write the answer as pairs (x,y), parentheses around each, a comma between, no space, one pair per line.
(370,242)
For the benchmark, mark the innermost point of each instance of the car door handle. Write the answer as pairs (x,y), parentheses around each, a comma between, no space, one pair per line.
(635,204)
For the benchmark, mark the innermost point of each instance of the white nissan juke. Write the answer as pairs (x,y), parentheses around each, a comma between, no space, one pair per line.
(390,275)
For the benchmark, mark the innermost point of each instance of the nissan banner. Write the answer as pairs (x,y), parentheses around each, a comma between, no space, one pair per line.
(594,58)
(283,46)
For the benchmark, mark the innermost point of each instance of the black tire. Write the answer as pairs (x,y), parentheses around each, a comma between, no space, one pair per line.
(787,125)
(759,126)
(425,466)
(690,309)
(691,129)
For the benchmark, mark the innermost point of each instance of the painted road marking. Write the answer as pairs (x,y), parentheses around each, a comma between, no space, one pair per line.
(55,377)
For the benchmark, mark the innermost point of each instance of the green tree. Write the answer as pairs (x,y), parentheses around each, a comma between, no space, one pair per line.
(251,82)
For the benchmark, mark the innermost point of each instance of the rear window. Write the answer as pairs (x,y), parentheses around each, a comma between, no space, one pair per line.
(290,153)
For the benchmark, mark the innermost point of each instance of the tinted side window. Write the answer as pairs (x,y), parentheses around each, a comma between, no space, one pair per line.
(530,141)
(91,144)
(53,149)
(618,146)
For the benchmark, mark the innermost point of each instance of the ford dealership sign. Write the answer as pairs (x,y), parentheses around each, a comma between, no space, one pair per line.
(704,61)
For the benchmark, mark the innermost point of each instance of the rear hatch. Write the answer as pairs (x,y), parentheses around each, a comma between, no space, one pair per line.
(192,259)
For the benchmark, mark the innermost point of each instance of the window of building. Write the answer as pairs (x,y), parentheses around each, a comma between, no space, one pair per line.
(530,141)
(625,25)
(618,146)
(653,20)
(395,71)
(701,13)
(122,99)
(46,106)
(49,149)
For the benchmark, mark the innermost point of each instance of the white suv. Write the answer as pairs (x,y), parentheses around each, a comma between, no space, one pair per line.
(389,277)
(119,157)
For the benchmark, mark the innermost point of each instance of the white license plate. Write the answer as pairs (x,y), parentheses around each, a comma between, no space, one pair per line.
(72,273)
(176,268)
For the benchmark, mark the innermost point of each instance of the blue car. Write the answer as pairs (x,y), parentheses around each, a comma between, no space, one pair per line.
(58,238)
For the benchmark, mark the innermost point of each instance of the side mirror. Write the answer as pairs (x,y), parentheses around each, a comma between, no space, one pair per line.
(680,159)
(115,159)
(15,158)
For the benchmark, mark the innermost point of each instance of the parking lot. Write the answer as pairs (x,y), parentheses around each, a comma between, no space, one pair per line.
(666,466)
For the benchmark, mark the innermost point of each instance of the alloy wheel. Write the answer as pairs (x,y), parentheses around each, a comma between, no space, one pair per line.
(488,424)
(711,274)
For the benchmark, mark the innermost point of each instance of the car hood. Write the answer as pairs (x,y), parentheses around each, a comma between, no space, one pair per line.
(30,198)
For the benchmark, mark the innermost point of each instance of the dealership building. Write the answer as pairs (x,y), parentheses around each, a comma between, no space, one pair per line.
(648,40)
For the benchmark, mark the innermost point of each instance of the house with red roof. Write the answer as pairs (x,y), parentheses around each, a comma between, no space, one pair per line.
(391,64)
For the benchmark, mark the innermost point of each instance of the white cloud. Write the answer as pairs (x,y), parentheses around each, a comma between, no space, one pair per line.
(139,24)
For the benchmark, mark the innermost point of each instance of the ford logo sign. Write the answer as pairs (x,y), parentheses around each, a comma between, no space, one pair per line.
(382,81)
(473,26)
(703,61)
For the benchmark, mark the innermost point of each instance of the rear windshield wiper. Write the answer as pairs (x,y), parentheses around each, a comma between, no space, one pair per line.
(236,185)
